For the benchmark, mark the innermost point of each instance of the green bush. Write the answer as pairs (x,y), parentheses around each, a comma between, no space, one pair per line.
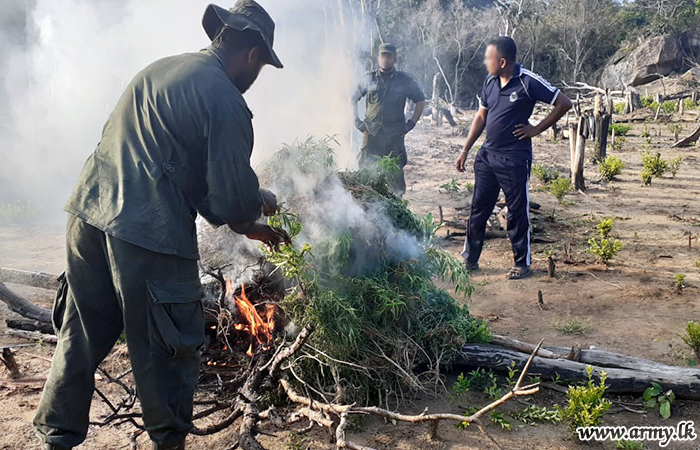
(619,108)
(692,337)
(653,163)
(620,130)
(610,167)
(619,143)
(629,445)
(674,165)
(603,245)
(648,102)
(559,188)
(669,106)
(689,104)
(545,173)
(586,403)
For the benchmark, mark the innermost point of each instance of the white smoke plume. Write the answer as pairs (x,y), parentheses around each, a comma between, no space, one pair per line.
(65,63)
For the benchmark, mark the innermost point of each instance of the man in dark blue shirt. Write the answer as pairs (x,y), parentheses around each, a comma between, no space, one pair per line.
(508,97)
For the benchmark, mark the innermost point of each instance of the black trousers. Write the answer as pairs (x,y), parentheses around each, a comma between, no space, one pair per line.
(494,172)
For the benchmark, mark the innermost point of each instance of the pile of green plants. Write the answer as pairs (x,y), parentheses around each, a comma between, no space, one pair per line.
(381,326)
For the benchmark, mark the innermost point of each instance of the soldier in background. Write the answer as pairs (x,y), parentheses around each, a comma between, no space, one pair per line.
(385,126)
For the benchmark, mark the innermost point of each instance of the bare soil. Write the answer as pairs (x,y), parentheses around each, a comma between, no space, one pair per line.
(630,306)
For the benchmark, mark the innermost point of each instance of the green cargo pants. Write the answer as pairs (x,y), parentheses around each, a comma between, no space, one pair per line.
(376,147)
(156,299)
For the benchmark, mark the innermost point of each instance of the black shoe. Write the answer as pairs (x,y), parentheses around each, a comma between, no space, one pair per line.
(471,266)
(180,446)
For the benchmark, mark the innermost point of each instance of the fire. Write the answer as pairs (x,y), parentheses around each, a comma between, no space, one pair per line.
(259,326)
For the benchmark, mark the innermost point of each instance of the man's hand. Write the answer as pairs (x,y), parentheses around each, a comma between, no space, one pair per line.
(462,161)
(269,202)
(271,237)
(361,125)
(525,131)
(408,126)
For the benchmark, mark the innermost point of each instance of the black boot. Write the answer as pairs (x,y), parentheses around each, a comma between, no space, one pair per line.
(180,446)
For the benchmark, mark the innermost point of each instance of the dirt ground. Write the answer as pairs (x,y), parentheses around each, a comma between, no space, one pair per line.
(630,306)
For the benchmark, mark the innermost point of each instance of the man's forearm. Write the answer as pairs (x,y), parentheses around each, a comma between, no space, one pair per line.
(475,131)
(418,112)
(561,106)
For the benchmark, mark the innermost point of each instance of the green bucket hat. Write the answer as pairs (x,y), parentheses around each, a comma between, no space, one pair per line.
(245,15)
(387,48)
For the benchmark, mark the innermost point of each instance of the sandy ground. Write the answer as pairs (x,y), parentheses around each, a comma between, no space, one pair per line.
(630,306)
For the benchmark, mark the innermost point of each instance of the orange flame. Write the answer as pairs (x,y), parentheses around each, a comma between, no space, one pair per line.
(260,328)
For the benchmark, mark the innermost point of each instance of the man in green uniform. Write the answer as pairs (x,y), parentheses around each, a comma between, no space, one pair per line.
(385,125)
(177,144)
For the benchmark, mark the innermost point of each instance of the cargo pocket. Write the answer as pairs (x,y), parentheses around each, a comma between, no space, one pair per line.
(176,317)
(59,304)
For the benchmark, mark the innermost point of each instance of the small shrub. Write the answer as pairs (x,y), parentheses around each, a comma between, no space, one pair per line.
(571,326)
(669,106)
(560,187)
(675,128)
(586,403)
(679,281)
(653,162)
(619,109)
(645,131)
(620,129)
(619,143)
(692,337)
(645,176)
(603,245)
(655,396)
(648,102)
(533,414)
(674,165)
(545,173)
(610,167)
(689,104)
(629,445)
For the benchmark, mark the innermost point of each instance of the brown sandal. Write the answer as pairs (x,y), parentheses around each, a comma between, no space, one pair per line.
(519,272)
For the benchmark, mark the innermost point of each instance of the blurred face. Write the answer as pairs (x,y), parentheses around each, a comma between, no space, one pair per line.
(493,61)
(386,61)
(250,68)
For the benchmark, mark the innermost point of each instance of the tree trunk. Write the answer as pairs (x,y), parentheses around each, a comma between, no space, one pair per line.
(694,136)
(684,382)
(579,154)
(437,113)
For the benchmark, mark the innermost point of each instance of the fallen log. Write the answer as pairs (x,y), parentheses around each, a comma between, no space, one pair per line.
(685,142)
(30,325)
(684,382)
(27,278)
(24,307)
(33,335)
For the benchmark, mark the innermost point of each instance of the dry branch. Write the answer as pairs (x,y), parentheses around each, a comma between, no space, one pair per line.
(27,278)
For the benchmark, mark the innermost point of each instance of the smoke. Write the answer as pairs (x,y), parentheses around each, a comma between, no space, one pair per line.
(66,62)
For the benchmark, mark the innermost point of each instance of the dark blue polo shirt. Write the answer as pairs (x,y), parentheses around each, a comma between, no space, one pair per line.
(510,106)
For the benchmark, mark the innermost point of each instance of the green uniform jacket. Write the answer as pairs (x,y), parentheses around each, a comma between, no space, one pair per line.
(178,143)
(386,99)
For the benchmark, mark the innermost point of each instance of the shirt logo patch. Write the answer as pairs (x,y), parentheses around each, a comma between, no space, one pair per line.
(513,97)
